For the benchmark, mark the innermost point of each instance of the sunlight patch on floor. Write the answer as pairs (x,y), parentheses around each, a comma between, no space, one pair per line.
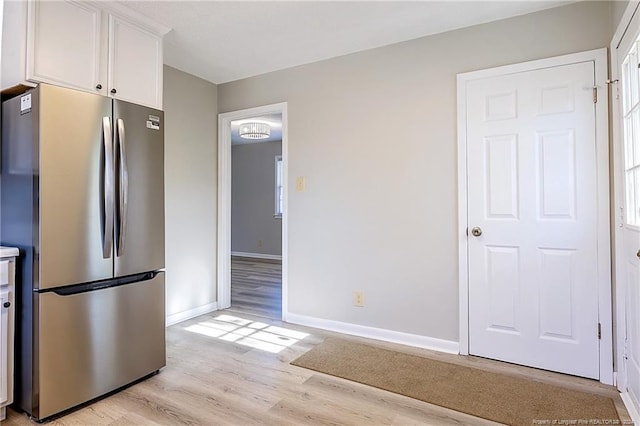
(245,332)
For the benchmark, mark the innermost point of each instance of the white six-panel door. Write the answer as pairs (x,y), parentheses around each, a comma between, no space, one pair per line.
(532,205)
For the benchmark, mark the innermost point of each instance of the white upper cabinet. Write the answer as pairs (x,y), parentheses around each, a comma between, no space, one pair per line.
(134,55)
(64,44)
(99,47)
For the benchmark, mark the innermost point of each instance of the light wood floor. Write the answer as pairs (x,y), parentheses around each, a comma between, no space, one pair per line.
(256,286)
(212,381)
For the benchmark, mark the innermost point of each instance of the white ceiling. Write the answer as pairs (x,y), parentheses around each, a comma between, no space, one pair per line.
(223,41)
(273,120)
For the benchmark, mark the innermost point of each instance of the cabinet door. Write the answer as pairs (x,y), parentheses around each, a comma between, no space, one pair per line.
(4,347)
(135,64)
(64,39)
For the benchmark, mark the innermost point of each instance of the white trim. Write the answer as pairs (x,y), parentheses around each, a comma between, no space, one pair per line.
(277,210)
(631,408)
(385,335)
(605,314)
(191,313)
(573,58)
(624,23)
(618,202)
(1,19)
(256,255)
(140,20)
(599,58)
(224,213)
(629,20)
(463,254)
(224,199)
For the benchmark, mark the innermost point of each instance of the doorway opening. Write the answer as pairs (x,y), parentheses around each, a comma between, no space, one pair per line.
(252,211)
(256,215)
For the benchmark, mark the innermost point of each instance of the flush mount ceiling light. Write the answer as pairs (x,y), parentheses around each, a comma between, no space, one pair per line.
(254,130)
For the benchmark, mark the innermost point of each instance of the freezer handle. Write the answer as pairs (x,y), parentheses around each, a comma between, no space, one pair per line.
(106,188)
(72,290)
(123,187)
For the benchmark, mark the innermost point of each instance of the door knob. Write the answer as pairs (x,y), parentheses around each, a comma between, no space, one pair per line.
(98,86)
(114,91)
(477,231)
(638,254)
(6,304)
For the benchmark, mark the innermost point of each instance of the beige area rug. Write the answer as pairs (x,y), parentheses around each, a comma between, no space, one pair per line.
(493,396)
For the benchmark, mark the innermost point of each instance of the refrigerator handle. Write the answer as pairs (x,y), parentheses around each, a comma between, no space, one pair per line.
(106,188)
(123,187)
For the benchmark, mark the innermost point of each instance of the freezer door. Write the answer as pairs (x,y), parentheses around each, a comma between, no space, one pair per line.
(94,342)
(139,223)
(76,188)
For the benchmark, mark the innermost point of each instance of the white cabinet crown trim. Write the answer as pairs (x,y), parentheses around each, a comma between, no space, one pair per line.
(141,20)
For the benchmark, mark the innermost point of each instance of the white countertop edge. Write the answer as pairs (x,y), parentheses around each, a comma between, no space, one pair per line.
(9,252)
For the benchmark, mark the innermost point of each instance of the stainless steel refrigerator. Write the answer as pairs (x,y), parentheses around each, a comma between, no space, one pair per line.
(82,196)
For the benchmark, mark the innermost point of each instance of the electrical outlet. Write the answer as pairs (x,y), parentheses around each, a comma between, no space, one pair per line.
(259,243)
(358,298)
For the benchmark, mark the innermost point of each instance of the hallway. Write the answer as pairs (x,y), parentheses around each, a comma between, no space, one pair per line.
(256,286)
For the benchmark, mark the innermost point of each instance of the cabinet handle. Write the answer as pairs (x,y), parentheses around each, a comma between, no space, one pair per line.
(113,91)
(99,87)
(6,304)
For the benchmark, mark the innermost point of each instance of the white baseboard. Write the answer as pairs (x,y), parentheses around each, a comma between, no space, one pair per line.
(631,408)
(256,255)
(191,313)
(408,339)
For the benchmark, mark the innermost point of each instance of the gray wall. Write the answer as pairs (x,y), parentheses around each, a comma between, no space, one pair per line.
(618,8)
(253,199)
(191,111)
(374,134)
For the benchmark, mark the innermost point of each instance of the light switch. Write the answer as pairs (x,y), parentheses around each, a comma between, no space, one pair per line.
(300,183)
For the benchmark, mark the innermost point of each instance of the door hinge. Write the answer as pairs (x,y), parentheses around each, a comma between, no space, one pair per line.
(621,217)
(625,354)
(599,331)
(616,86)
(595,94)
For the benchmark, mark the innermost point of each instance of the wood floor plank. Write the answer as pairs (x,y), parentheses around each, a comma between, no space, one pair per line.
(256,286)
(313,411)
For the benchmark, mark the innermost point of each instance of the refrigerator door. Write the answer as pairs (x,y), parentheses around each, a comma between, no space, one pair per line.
(76,188)
(139,224)
(93,342)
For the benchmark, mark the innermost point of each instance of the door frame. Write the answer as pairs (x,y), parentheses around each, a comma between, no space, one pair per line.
(630,21)
(599,57)
(224,199)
